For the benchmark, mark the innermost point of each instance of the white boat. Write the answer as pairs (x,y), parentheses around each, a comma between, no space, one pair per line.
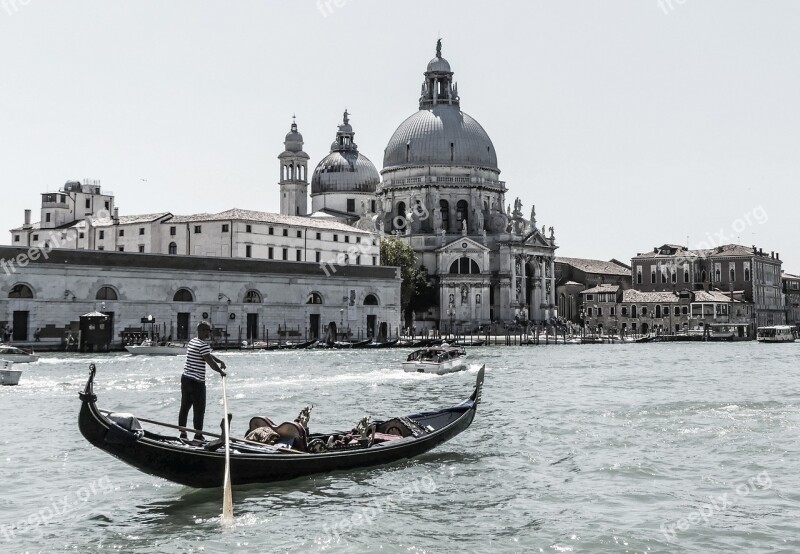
(9,375)
(16,355)
(152,348)
(437,359)
(777,333)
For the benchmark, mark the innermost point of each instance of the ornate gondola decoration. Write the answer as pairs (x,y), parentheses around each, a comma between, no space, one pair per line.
(202,465)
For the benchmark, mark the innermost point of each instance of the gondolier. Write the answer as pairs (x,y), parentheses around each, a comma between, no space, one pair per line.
(193,380)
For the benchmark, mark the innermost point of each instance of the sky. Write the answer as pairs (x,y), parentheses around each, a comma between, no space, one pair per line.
(628,123)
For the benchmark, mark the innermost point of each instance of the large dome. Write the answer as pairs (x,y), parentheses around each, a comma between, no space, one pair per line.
(441,135)
(344,172)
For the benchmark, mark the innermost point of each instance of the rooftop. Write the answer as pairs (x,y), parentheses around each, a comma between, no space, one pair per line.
(236,214)
(599,289)
(595,266)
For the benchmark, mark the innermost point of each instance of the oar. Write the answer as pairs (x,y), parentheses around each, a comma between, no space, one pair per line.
(227,495)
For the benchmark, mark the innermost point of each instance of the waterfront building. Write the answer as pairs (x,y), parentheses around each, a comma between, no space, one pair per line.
(574,275)
(791,291)
(243,298)
(617,311)
(750,274)
(441,193)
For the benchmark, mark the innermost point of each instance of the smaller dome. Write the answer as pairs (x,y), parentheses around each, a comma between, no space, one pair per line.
(439,65)
(345,172)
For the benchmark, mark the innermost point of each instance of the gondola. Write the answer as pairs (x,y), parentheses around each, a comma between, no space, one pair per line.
(297,345)
(198,464)
(387,344)
(346,345)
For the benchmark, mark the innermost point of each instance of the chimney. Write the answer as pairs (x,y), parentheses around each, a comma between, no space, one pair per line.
(760,251)
(772,255)
(777,256)
(116,215)
(27,219)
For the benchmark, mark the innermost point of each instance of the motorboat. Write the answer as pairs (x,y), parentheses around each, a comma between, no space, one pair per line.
(437,359)
(152,348)
(777,333)
(17,355)
(9,375)
(201,464)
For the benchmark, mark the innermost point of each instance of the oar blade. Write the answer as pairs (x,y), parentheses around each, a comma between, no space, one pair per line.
(227,493)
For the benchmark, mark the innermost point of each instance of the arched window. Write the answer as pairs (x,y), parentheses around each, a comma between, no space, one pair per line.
(314,298)
(461,212)
(252,297)
(371,300)
(20,291)
(173,248)
(633,311)
(399,221)
(624,311)
(703,276)
(444,206)
(464,266)
(106,293)
(658,311)
(747,274)
(183,295)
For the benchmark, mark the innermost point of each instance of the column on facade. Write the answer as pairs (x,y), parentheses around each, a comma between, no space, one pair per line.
(514,299)
(552,281)
(543,280)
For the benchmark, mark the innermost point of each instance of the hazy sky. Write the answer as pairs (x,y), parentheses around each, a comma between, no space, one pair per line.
(628,123)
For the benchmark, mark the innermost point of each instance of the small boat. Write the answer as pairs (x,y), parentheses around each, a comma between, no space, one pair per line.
(9,375)
(201,464)
(387,344)
(152,348)
(348,344)
(777,333)
(17,355)
(296,345)
(437,359)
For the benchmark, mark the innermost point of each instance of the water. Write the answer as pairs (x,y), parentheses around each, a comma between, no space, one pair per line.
(607,448)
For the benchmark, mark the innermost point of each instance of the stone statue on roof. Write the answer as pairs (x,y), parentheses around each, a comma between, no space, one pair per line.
(439,48)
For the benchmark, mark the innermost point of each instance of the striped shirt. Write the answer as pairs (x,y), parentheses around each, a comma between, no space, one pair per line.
(195,367)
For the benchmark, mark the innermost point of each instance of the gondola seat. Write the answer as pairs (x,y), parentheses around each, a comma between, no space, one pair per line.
(292,434)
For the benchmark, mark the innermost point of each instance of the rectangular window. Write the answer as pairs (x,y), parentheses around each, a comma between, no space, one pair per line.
(248,228)
(271,253)
(599,312)
(590,297)
(335,238)
(271,231)
(36,237)
(613,310)
(299,256)
(122,232)
(107,205)
(47,217)
(88,203)
(121,249)
(16,238)
(198,229)
(248,251)
(285,254)
(358,260)
(299,234)
(226,228)
(173,231)
(347,238)
(589,312)
(319,236)
(318,257)
(141,248)
(286,232)
(80,235)
(101,235)
(351,205)
(375,261)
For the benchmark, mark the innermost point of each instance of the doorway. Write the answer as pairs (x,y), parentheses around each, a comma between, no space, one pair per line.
(372,322)
(252,327)
(20,326)
(183,326)
(313,326)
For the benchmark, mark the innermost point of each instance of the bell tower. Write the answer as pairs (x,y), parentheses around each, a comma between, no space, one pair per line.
(294,174)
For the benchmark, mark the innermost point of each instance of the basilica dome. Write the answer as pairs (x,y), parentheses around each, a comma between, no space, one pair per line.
(344,169)
(439,133)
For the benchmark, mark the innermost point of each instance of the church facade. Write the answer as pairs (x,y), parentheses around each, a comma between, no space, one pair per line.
(441,193)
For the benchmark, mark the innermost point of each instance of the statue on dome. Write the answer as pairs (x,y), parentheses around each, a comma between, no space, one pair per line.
(533,215)
(346,118)
(439,48)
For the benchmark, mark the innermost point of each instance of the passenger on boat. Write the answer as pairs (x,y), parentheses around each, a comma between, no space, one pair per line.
(193,380)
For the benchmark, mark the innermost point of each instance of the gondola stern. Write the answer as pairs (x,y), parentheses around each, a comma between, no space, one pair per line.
(476,394)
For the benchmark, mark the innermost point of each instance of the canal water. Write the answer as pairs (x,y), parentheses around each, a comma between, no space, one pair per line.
(582,448)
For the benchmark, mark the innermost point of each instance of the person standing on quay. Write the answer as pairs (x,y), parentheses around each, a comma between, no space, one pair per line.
(193,380)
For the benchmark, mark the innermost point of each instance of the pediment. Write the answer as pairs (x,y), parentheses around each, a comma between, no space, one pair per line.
(463,244)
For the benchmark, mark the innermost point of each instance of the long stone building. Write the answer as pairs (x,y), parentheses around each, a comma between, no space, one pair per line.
(244,299)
